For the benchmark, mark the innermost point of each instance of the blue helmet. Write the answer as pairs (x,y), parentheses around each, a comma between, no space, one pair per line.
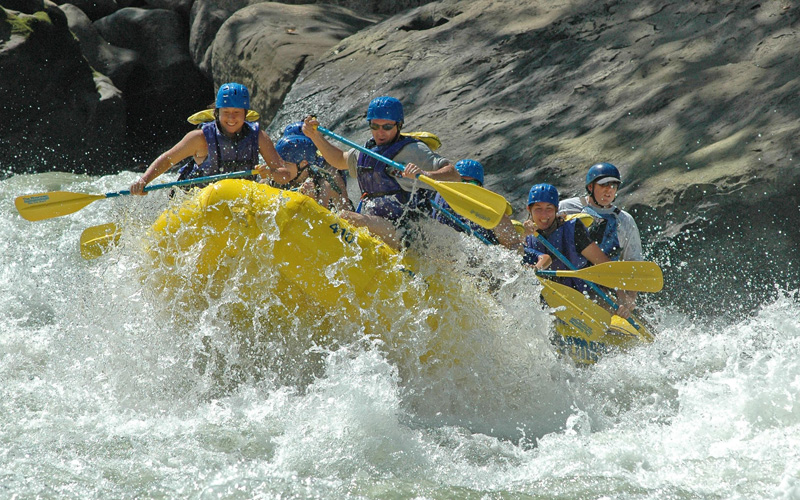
(233,95)
(385,108)
(603,171)
(295,128)
(546,193)
(296,148)
(470,168)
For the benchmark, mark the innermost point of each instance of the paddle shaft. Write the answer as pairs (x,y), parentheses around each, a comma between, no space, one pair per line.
(459,222)
(41,206)
(473,202)
(366,151)
(572,266)
(187,182)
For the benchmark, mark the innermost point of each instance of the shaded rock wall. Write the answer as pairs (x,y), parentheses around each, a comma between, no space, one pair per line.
(54,107)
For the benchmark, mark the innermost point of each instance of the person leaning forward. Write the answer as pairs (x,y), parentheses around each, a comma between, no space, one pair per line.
(471,171)
(569,237)
(227,144)
(390,199)
(298,151)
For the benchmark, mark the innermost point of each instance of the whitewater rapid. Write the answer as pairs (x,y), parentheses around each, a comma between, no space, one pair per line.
(105,391)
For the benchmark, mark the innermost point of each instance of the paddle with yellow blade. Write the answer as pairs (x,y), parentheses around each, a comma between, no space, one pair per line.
(589,319)
(41,206)
(594,287)
(477,204)
(97,240)
(573,308)
(637,276)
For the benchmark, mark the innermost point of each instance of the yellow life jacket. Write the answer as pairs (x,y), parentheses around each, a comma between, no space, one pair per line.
(207,115)
(430,140)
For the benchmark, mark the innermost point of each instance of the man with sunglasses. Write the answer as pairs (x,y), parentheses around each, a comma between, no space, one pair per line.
(504,233)
(390,199)
(613,229)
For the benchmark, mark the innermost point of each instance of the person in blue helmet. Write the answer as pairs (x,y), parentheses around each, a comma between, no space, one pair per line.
(569,237)
(391,200)
(504,233)
(299,153)
(339,176)
(228,144)
(613,229)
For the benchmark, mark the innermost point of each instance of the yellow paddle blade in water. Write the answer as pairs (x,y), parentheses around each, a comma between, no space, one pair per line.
(581,317)
(42,206)
(477,204)
(573,308)
(622,326)
(97,240)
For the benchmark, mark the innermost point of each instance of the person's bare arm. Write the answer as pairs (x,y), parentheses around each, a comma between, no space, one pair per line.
(193,144)
(280,171)
(627,303)
(594,255)
(447,173)
(333,155)
(507,235)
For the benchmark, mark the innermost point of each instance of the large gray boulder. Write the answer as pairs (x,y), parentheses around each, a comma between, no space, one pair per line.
(93,9)
(56,114)
(205,19)
(207,16)
(115,62)
(267,45)
(697,103)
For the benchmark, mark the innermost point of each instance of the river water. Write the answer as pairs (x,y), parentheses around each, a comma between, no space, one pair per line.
(108,390)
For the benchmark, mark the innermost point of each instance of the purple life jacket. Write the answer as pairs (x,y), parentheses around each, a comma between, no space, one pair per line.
(225,154)
(563,239)
(382,194)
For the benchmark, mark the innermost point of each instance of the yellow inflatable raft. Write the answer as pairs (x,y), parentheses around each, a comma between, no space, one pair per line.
(241,229)
(228,238)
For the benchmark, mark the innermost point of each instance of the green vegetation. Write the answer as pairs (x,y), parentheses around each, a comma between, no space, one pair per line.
(23,25)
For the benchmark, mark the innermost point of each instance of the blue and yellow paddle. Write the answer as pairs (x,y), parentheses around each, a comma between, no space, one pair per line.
(572,266)
(41,206)
(636,276)
(476,203)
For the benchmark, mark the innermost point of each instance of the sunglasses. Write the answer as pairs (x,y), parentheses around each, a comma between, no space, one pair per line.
(385,126)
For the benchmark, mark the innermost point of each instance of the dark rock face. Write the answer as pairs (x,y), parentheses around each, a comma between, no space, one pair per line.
(56,114)
(180,6)
(165,87)
(115,62)
(93,9)
(270,43)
